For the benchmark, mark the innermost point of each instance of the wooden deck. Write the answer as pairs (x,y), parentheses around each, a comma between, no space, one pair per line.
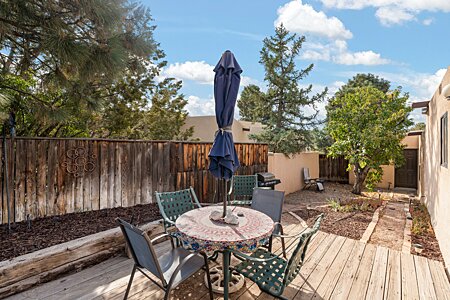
(335,268)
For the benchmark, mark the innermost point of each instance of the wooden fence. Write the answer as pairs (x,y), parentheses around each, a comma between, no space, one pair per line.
(333,169)
(50,176)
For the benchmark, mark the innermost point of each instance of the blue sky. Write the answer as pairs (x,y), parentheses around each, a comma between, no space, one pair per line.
(404,41)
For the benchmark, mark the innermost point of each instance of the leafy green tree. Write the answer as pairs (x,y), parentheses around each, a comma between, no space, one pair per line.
(418,126)
(364,80)
(141,108)
(367,126)
(284,107)
(85,68)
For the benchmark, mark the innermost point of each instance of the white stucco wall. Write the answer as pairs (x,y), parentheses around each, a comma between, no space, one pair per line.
(436,177)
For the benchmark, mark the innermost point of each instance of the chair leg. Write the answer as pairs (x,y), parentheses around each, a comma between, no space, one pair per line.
(208,276)
(283,245)
(130,283)
(167,295)
(214,256)
(269,247)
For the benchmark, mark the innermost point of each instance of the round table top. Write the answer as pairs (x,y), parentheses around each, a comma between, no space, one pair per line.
(196,229)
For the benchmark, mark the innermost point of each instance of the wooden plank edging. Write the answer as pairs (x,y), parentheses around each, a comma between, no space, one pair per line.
(26,271)
(369,230)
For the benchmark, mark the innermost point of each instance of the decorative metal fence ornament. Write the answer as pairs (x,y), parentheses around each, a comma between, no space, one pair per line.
(79,161)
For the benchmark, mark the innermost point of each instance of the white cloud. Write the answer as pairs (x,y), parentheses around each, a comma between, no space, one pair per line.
(198,71)
(423,85)
(419,5)
(302,18)
(338,53)
(408,8)
(428,82)
(367,58)
(391,15)
(427,22)
(316,55)
(247,81)
(197,106)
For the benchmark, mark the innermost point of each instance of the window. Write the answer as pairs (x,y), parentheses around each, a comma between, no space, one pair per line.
(444,140)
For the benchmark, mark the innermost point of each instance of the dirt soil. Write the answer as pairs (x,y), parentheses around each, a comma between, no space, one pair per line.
(333,191)
(49,231)
(351,224)
(425,236)
(390,228)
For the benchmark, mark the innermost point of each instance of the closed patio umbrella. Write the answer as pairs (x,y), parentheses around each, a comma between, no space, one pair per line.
(223,157)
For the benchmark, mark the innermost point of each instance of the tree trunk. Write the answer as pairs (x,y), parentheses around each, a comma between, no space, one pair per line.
(360,177)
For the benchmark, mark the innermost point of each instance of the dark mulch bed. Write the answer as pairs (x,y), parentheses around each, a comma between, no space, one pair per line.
(422,233)
(49,231)
(351,224)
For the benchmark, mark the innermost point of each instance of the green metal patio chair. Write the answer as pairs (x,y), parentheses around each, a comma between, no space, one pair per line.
(174,204)
(241,190)
(271,272)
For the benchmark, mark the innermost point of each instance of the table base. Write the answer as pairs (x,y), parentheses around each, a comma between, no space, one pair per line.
(236,282)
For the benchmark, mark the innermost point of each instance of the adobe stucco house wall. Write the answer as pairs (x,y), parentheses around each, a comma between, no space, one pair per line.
(388,180)
(290,169)
(436,177)
(206,126)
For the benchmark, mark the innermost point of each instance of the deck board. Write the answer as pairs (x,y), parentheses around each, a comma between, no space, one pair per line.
(441,284)
(315,278)
(361,281)
(375,290)
(331,278)
(345,282)
(393,290)
(426,290)
(334,268)
(410,290)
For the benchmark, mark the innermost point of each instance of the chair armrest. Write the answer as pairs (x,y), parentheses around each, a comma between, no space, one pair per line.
(290,236)
(243,256)
(160,237)
(231,190)
(167,220)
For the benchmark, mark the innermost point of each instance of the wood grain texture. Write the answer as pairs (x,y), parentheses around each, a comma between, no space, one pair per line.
(56,176)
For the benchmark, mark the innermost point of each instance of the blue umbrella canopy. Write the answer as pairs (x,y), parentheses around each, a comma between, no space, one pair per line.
(223,157)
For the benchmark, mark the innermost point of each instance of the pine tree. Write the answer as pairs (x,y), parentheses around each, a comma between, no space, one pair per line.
(85,68)
(283,107)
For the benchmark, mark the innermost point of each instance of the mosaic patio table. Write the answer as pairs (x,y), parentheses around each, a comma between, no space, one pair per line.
(197,232)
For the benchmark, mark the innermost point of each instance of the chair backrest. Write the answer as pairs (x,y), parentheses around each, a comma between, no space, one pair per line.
(243,186)
(141,248)
(306,176)
(174,204)
(298,255)
(269,202)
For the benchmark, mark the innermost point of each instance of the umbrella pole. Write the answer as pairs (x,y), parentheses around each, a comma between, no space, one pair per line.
(225,199)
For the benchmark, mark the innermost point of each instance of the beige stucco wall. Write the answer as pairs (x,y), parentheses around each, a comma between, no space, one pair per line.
(290,169)
(410,142)
(206,126)
(437,177)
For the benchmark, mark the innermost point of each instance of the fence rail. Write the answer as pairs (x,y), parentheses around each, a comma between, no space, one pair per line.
(58,176)
(333,169)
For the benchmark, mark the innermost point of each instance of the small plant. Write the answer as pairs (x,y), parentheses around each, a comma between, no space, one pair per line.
(421,222)
(335,204)
(365,207)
